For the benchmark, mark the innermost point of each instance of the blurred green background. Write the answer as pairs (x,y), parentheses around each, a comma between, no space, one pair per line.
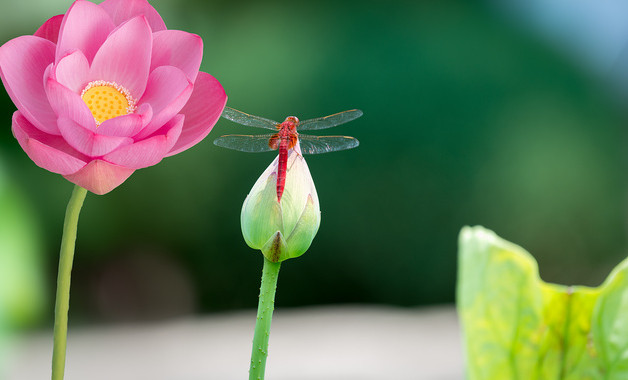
(468,119)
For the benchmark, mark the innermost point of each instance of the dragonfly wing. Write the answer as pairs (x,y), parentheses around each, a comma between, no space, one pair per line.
(324,144)
(247,119)
(245,143)
(329,121)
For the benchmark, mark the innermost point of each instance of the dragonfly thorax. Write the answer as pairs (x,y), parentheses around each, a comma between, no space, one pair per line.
(291,123)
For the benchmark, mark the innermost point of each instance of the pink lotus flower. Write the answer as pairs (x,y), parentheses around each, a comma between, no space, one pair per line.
(106,89)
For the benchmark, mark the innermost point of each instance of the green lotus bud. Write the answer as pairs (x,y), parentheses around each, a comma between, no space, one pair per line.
(282,229)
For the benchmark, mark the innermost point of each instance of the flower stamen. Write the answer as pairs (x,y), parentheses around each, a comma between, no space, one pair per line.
(107,100)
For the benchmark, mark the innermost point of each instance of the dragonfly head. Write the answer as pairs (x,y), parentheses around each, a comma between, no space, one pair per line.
(291,121)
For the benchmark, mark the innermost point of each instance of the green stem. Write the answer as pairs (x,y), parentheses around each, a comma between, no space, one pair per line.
(62,303)
(265,308)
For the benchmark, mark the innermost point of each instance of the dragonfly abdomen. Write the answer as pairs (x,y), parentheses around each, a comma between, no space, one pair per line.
(281,168)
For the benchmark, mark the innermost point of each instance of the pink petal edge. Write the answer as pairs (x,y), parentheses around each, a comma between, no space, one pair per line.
(40,148)
(72,71)
(85,27)
(124,58)
(87,142)
(50,29)
(67,103)
(201,112)
(123,10)
(167,91)
(127,125)
(150,151)
(179,49)
(100,177)
(23,62)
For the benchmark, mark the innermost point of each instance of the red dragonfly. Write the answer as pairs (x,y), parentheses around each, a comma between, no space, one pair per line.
(286,137)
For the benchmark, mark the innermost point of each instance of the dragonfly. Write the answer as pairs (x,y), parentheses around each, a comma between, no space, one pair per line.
(286,137)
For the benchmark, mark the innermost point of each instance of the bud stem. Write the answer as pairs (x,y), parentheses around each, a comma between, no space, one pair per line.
(265,308)
(62,303)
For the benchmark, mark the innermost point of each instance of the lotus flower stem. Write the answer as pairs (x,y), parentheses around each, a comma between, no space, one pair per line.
(265,308)
(62,302)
